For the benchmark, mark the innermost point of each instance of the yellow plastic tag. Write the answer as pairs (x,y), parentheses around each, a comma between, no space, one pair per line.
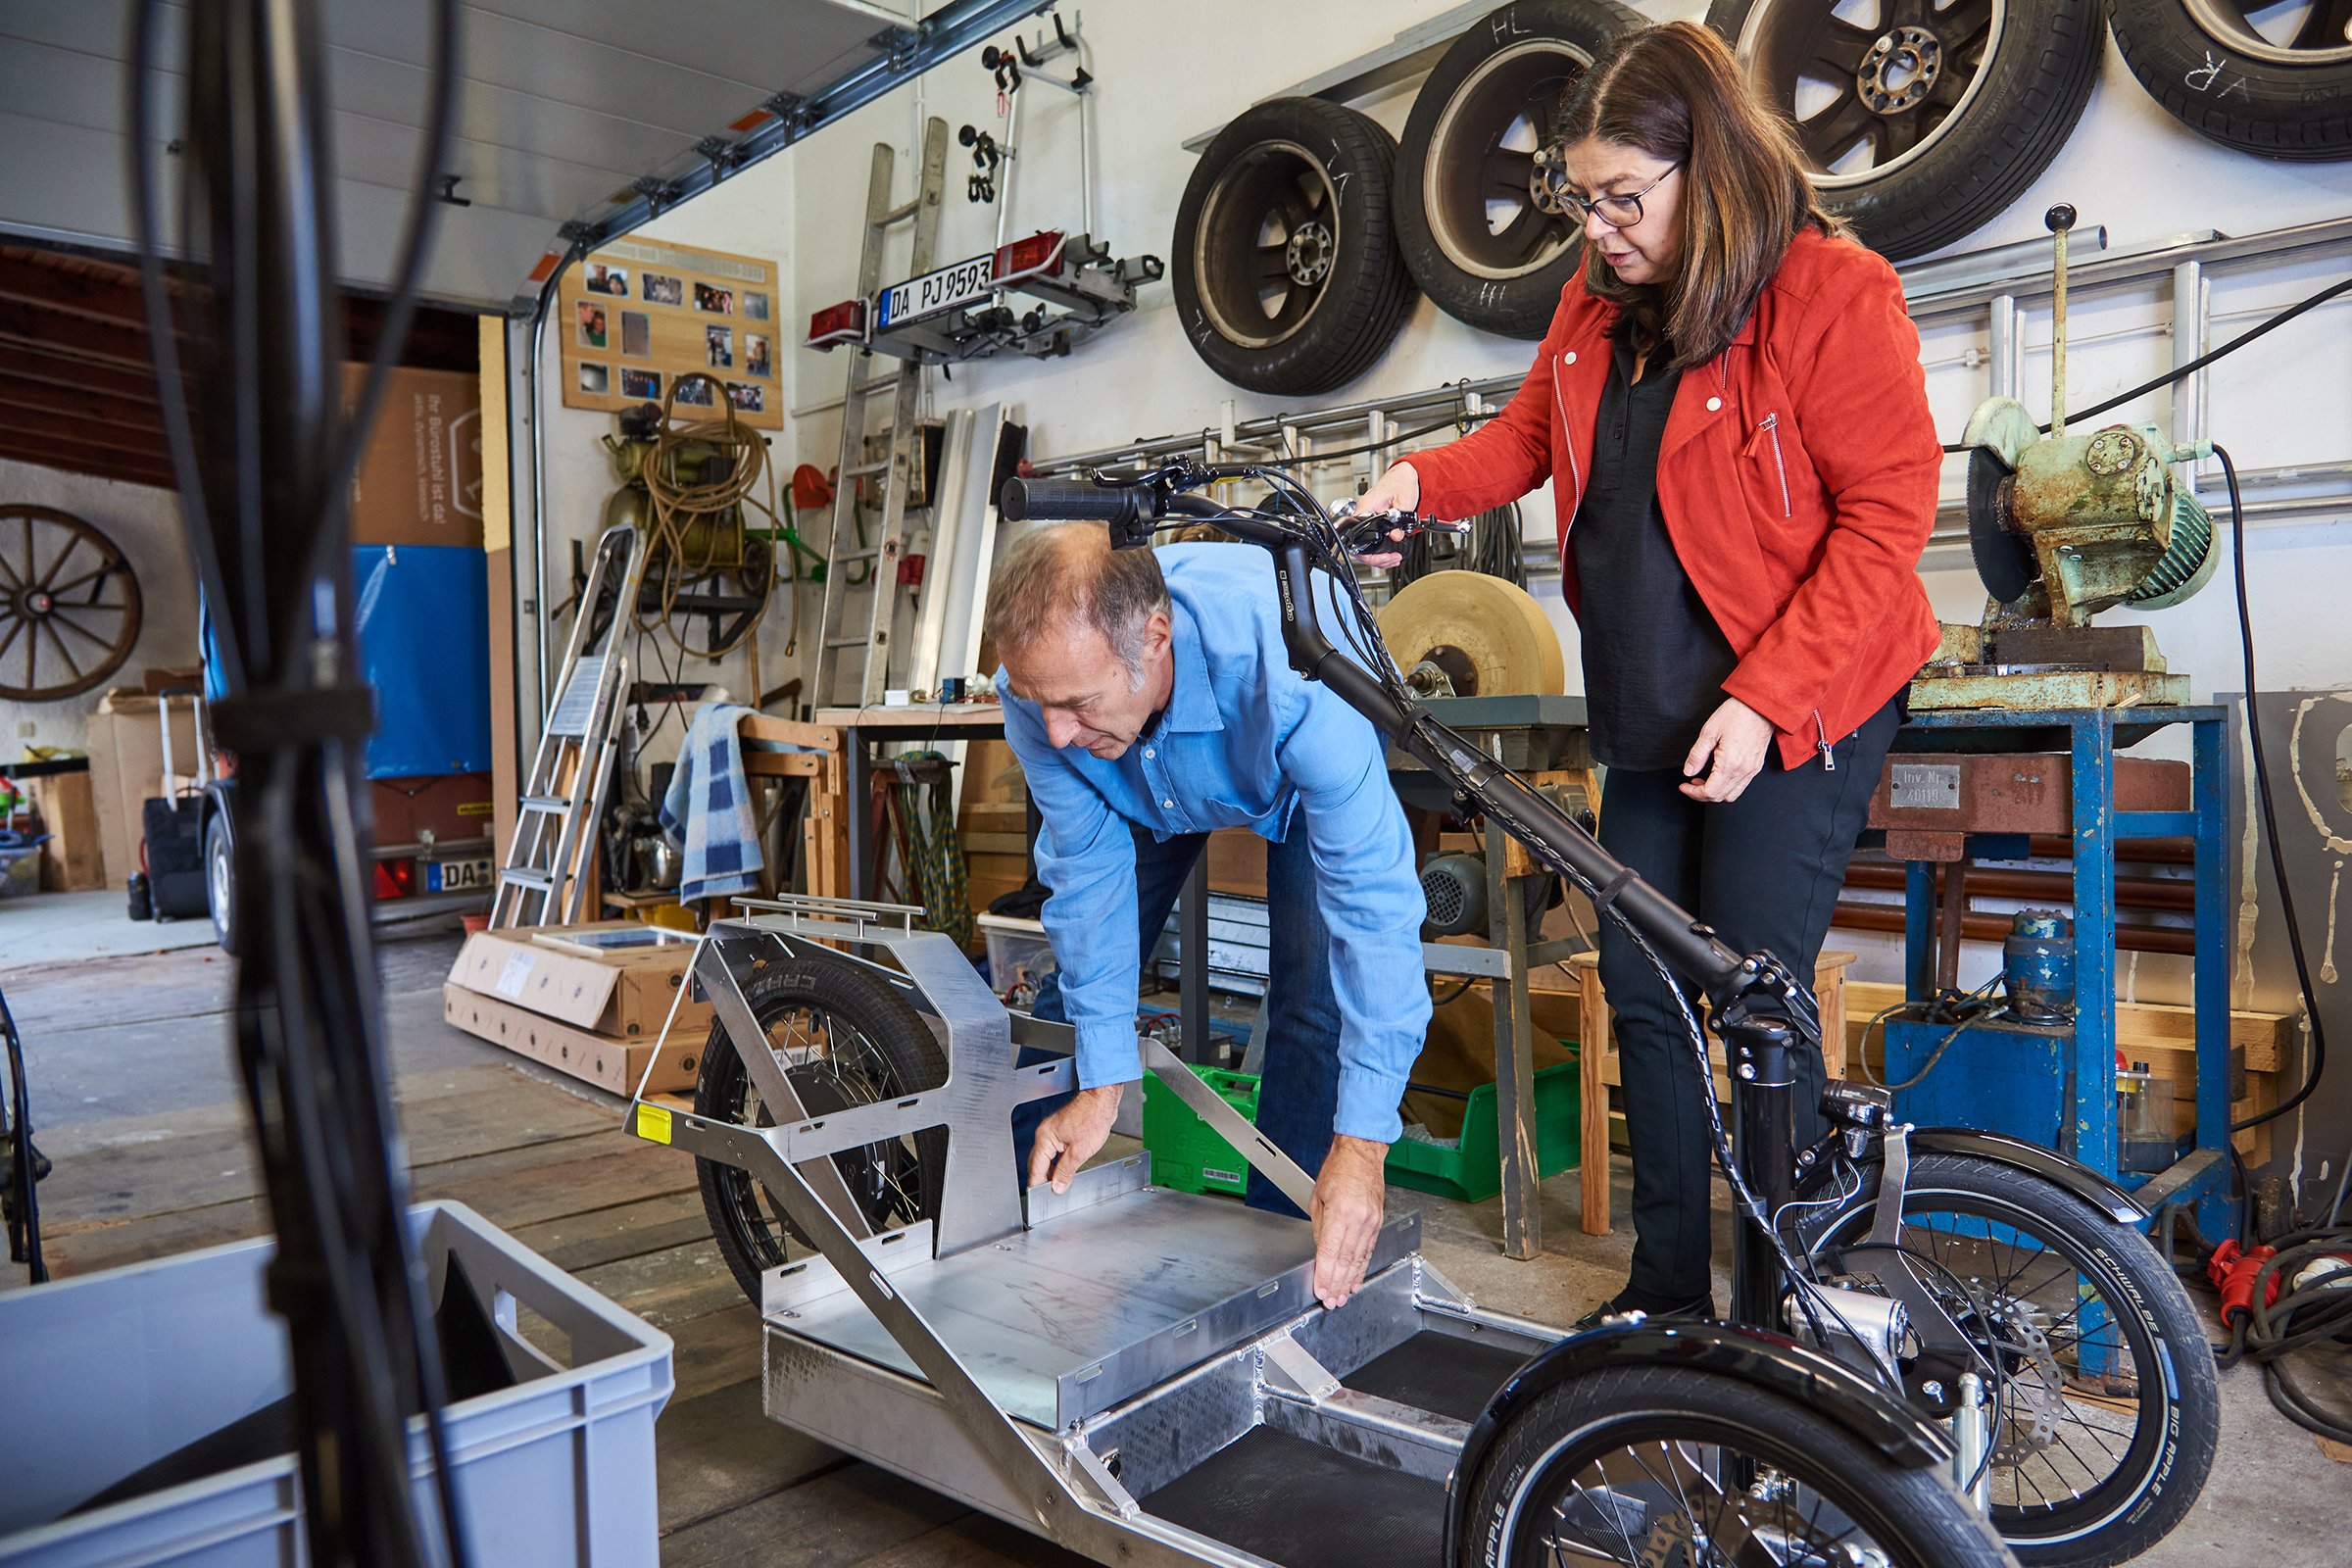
(652,1123)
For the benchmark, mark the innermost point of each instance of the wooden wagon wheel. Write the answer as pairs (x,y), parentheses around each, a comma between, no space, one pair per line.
(69,604)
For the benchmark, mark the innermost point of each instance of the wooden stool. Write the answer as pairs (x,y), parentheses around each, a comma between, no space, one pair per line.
(1597,1052)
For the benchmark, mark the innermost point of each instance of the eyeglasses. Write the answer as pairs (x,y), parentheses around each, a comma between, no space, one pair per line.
(1617,210)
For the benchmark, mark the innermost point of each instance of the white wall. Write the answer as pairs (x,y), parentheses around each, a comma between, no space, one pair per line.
(144,523)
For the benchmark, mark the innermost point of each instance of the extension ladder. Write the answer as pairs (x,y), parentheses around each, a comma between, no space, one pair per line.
(544,877)
(840,633)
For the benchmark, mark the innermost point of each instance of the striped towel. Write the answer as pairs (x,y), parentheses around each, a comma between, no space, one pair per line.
(709,809)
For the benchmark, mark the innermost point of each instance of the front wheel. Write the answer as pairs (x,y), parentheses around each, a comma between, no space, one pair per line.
(1666,1464)
(2107,1405)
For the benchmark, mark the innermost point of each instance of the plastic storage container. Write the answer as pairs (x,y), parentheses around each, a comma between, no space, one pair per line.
(107,1373)
(21,869)
(1188,1157)
(1018,953)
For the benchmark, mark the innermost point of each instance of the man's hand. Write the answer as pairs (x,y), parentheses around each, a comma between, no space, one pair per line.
(1347,1209)
(1735,740)
(1068,1139)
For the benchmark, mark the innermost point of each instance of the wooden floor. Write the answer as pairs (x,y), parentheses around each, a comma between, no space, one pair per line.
(136,1103)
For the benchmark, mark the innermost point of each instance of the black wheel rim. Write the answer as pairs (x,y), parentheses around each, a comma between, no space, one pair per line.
(70,605)
(1691,1489)
(1870,85)
(2292,33)
(1266,244)
(2083,1397)
(831,1064)
(1482,188)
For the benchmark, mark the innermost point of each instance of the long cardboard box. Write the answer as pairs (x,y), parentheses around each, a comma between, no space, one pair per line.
(126,769)
(609,1063)
(624,995)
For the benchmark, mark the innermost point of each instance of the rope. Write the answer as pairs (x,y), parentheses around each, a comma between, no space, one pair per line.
(920,804)
(717,503)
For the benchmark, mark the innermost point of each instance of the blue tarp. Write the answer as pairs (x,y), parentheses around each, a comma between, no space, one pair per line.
(424,645)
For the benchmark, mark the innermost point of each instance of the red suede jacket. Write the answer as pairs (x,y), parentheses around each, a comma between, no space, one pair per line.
(1797,478)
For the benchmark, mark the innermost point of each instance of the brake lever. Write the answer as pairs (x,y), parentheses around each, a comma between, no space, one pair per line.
(1369,534)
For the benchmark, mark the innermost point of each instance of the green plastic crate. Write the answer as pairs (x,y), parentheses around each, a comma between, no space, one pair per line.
(1473,1171)
(1188,1157)
(1184,1153)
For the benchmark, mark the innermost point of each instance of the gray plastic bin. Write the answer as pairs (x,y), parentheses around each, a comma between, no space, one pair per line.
(103,1375)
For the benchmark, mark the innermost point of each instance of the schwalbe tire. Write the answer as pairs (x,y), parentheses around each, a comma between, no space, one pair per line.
(2246,98)
(1925,1522)
(747,1223)
(2022,106)
(1359,304)
(2181,1450)
(1480,292)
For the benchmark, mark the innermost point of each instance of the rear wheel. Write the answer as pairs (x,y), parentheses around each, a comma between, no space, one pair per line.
(1667,1465)
(2108,1405)
(843,1037)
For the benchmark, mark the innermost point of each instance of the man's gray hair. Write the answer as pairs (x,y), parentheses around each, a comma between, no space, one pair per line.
(1067,573)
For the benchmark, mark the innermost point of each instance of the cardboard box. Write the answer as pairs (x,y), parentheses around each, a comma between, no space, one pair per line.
(625,995)
(611,1064)
(451,806)
(420,480)
(127,770)
(72,861)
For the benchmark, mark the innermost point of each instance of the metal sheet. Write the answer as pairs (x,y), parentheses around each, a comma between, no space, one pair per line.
(1081,1312)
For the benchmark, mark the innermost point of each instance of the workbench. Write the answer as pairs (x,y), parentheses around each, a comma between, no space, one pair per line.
(2056,1084)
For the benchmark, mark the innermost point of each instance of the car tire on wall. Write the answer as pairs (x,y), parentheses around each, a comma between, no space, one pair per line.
(1284,264)
(1925,123)
(1479,233)
(2287,94)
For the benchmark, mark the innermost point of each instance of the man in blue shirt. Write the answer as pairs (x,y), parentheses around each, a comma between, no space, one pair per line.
(1151,701)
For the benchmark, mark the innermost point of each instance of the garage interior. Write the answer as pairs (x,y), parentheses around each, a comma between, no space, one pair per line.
(632,428)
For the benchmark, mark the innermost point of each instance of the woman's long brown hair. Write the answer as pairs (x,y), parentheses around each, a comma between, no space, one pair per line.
(1676,92)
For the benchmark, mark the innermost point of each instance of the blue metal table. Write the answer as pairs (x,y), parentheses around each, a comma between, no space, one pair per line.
(2056,1085)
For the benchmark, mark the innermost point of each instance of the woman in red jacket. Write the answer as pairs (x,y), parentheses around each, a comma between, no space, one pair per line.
(1732,413)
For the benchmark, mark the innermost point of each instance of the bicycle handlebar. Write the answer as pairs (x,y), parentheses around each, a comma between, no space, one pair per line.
(1076,501)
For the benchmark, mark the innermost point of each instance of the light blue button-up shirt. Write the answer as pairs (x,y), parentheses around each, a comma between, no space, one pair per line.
(1244,742)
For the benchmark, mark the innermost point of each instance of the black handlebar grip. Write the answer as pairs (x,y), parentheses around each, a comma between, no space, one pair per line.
(1073,501)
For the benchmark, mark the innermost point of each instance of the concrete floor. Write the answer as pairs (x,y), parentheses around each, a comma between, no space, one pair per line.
(66,928)
(136,1102)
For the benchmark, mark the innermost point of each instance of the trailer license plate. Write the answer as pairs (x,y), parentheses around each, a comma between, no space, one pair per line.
(933,292)
(457,876)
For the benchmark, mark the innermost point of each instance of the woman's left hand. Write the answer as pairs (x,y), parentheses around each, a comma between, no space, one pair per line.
(1727,754)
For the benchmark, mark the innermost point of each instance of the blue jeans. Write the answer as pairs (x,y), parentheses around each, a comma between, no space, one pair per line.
(1300,1094)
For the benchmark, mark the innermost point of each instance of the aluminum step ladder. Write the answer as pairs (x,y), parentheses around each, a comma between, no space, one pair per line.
(544,877)
(853,655)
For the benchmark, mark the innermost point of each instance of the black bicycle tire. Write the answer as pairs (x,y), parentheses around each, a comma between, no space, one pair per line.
(1357,316)
(1520,307)
(1920,1519)
(2014,127)
(2174,1455)
(2272,109)
(846,991)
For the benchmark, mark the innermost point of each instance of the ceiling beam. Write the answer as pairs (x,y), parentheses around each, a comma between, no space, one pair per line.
(57,369)
(76,460)
(39,397)
(71,291)
(55,424)
(122,347)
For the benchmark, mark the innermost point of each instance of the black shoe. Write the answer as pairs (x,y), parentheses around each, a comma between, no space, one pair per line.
(1630,1299)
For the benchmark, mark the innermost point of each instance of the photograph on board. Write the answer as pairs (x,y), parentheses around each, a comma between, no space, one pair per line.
(603,280)
(594,334)
(694,390)
(749,399)
(755,360)
(660,288)
(719,345)
(636,334)
(754,306)
(636,383)
(595,379)
(714,300)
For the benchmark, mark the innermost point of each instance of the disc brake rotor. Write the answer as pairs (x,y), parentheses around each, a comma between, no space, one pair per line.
(2036,1388)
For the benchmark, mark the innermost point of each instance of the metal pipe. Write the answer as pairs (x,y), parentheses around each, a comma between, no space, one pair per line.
(1444,399)
(2191,313)
(538,408)
(2060,219)
(2004,347)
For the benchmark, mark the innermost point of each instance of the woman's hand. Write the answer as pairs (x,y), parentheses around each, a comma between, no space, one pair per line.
(1398,490)
(1727,754)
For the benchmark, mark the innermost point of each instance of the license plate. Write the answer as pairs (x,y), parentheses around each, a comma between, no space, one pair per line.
(933,292)
(457,876)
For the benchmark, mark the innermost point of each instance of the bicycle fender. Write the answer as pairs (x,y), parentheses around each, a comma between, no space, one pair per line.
(1767,1360)
(2109,1199)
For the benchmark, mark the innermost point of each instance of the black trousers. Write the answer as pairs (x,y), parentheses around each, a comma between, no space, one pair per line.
(1763,871)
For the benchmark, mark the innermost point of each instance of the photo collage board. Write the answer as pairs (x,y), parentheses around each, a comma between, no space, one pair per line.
(637,316)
